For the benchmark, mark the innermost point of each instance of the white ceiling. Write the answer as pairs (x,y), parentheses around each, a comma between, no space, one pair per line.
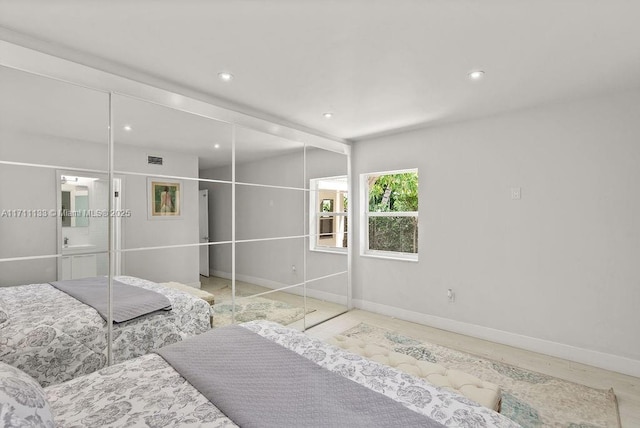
(377,65)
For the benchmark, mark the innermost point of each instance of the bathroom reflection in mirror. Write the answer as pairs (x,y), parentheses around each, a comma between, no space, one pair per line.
(82,208)
(74,208)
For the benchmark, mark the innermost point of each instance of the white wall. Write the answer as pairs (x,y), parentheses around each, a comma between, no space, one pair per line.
(556,271)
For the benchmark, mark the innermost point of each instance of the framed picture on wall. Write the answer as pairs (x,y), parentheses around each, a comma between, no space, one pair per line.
(164,199)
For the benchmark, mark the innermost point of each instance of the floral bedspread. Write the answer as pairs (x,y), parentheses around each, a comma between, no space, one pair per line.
(143,392)
(54,338)
(147,391)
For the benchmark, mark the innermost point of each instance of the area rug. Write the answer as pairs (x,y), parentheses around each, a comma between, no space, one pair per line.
(528,398)
(256,308)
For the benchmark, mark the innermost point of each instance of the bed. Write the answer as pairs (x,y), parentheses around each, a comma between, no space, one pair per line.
(148,391)
(54,337)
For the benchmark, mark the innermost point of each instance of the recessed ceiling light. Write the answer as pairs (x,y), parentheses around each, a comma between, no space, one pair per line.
(216,146)
(225,76)
(127,128)
(476,75)
(327,115)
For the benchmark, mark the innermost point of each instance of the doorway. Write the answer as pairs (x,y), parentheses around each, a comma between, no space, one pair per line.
(203,210)
(83,224)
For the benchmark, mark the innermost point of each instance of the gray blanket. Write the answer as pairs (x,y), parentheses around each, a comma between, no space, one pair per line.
(258,383)
(129,301)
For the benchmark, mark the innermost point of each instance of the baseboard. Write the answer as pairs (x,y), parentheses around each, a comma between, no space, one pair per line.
(598,359)
(273,285)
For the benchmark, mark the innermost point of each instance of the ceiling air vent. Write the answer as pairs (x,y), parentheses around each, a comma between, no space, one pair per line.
(154,160)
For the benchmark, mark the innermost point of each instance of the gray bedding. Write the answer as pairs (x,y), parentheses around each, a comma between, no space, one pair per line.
(129,302)
(257,382)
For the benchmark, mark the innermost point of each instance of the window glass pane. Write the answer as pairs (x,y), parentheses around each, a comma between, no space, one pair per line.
(399,234)
(393,192)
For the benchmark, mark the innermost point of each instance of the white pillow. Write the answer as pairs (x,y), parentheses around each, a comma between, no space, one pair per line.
(23,402)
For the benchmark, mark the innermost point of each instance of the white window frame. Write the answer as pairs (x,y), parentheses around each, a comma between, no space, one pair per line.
(314,214)
(365,215)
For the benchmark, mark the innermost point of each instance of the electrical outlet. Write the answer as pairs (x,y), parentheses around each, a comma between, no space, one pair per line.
(516,193)
(451,295)
(293,268)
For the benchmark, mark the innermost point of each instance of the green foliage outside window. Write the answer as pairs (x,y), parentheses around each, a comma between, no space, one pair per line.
(393,193)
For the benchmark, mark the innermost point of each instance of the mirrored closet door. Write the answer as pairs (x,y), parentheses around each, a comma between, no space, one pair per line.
(326,247)
(97,184)
(54,200)
(269,228)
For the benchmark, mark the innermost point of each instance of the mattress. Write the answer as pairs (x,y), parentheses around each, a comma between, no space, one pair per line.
(54,337)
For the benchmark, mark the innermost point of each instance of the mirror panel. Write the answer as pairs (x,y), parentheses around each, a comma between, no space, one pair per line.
(48,122)
(49,125)
(266,159)
(271,264)
(270,221)
(164,159)
(286,307)
(169,160)
(163,264)
(326,297)
(35,307)
(218,211)
(160,141)
(28,211)
(173,273)
(322,163)
(268,212)
(327,265)
(324,263)
(147,222)
(29,271)
(46,127)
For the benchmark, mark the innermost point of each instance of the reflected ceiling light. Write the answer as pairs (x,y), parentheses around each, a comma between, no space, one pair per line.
(476,75)
(127,128)
(216,146)
(225,76)
(327,115)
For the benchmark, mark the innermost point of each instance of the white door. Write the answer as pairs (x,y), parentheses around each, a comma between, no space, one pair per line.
(204,232)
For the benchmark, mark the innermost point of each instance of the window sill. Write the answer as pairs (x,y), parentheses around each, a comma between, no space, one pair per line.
(391,256)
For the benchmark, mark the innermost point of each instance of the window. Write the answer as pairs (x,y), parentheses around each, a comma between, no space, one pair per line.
(328,219)
(390,201)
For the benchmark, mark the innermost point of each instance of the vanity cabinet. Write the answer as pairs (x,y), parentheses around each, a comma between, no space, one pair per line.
(78,266)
